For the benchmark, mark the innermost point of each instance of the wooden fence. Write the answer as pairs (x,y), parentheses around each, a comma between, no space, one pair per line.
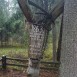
(4,63)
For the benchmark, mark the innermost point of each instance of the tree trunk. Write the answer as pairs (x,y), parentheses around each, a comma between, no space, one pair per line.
(37,37)
(26,10)
(33,68)
(54,42)
(1,39)
(60,41)
(68,66)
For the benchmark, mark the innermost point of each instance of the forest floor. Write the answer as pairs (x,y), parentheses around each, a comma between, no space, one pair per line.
(18,73)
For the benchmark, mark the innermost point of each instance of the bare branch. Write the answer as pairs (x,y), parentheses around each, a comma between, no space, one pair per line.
(57,10)
(35,5)
(25,9)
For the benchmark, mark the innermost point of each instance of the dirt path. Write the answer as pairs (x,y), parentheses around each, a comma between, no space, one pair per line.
(16,73)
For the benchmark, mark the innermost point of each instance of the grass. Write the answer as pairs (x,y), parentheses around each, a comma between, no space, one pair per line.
(48,53)
(16,52)
(21,52)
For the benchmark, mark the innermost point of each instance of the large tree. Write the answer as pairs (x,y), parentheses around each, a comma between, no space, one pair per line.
(68,66)
(40,27)
(2,19)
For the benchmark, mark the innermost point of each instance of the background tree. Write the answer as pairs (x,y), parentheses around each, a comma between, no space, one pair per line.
(12,28)
(2,19)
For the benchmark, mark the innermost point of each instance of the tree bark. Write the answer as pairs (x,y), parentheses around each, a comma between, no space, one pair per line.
(54,42)
(60,41)
(68,66)
(26,10)
(57,10)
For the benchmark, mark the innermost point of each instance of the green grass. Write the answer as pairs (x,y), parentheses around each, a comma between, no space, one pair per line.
(18,52)
(15,52)
(48,53)
(21,52)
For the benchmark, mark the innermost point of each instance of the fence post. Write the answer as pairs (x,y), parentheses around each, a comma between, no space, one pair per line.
(4,62)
